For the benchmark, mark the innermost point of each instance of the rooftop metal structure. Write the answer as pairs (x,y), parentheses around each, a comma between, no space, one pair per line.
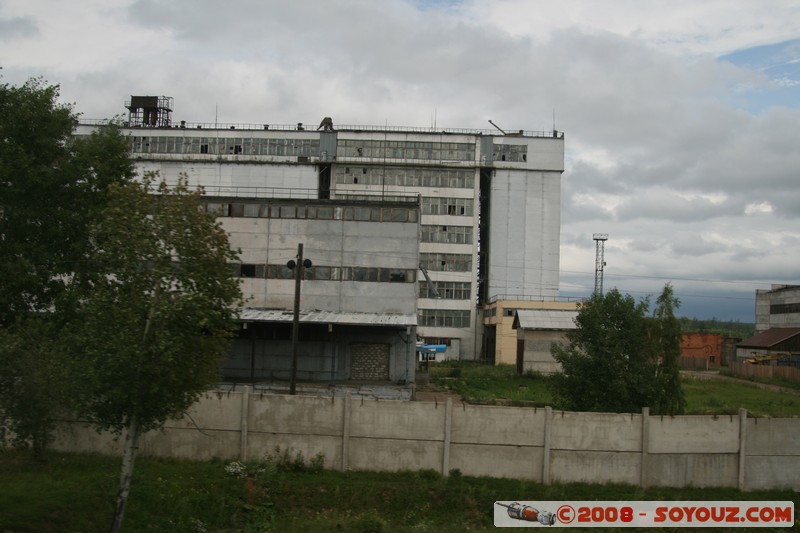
(149,111)
(599,261)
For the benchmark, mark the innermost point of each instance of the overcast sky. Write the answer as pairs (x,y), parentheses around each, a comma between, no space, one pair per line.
(681,117)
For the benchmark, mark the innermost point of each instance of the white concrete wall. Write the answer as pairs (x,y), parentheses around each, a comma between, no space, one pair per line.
(524,234)
(522,443)
(232,174)
(537,344)
(336,243)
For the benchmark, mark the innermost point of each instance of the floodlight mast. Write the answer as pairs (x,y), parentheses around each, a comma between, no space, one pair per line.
(599,261)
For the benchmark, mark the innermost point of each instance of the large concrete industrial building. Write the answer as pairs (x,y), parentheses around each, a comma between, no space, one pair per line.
(489,202)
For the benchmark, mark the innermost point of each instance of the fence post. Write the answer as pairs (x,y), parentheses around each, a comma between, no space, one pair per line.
(645,446)
(245,415)
(448,423)
(346,430)
(742,441)
(548,423)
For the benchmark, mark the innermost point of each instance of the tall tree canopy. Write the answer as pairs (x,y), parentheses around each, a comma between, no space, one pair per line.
(619,359)
(154,313)
(52,188)
(52,185)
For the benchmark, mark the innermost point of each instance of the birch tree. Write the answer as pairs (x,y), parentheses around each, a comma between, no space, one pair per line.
(153,317)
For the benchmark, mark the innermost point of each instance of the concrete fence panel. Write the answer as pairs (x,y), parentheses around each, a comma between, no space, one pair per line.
(773,453)
(218,410)
(597,431)
(589,466)
(300,415)
(773,436)
(496,460)
(481,424)
(694,434)
(696,470)
(420,421)
(194,443)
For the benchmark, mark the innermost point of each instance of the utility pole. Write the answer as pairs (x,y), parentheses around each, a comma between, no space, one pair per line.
(298,267)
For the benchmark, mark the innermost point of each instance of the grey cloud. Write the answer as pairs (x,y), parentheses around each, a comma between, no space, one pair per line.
(695,245)
(18,27)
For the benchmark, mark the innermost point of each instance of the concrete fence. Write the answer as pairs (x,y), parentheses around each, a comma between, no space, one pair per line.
(524,443)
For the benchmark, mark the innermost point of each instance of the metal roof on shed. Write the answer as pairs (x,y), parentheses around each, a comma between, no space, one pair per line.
(327,317)
(769,338)
(552,319)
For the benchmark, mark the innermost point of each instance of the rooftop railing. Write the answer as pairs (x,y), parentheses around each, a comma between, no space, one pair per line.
(348,128)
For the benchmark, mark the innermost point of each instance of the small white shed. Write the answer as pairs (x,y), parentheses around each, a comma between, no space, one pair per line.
(537,331)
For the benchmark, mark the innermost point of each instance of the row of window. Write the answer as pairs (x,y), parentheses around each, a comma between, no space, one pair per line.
(443,318)
(312,212)
(406,150)
(224,146)
(326,273)
(447,341)
(510,152)
(782,309)
(447,206)
(439,262)
(448,290)
(447,234)
(405,177)
(301,147)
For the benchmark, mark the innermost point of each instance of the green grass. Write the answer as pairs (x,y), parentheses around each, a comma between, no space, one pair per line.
(491,384)
(480,383)
(76,492)
(710,396)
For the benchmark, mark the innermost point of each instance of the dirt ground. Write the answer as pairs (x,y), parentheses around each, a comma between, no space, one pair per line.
(426,393)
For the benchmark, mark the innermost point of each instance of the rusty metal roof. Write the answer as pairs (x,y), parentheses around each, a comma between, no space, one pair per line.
(327,317)
(769,338)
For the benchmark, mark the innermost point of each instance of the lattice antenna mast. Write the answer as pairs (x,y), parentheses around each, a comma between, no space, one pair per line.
(599,261)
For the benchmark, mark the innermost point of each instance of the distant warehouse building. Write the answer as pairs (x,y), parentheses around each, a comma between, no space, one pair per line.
(778,307)
(489,208)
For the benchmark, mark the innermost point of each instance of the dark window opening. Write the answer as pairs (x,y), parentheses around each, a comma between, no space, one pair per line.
(248,271)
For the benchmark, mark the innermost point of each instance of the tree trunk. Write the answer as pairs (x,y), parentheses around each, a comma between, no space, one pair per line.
(128,457)
(38,448)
